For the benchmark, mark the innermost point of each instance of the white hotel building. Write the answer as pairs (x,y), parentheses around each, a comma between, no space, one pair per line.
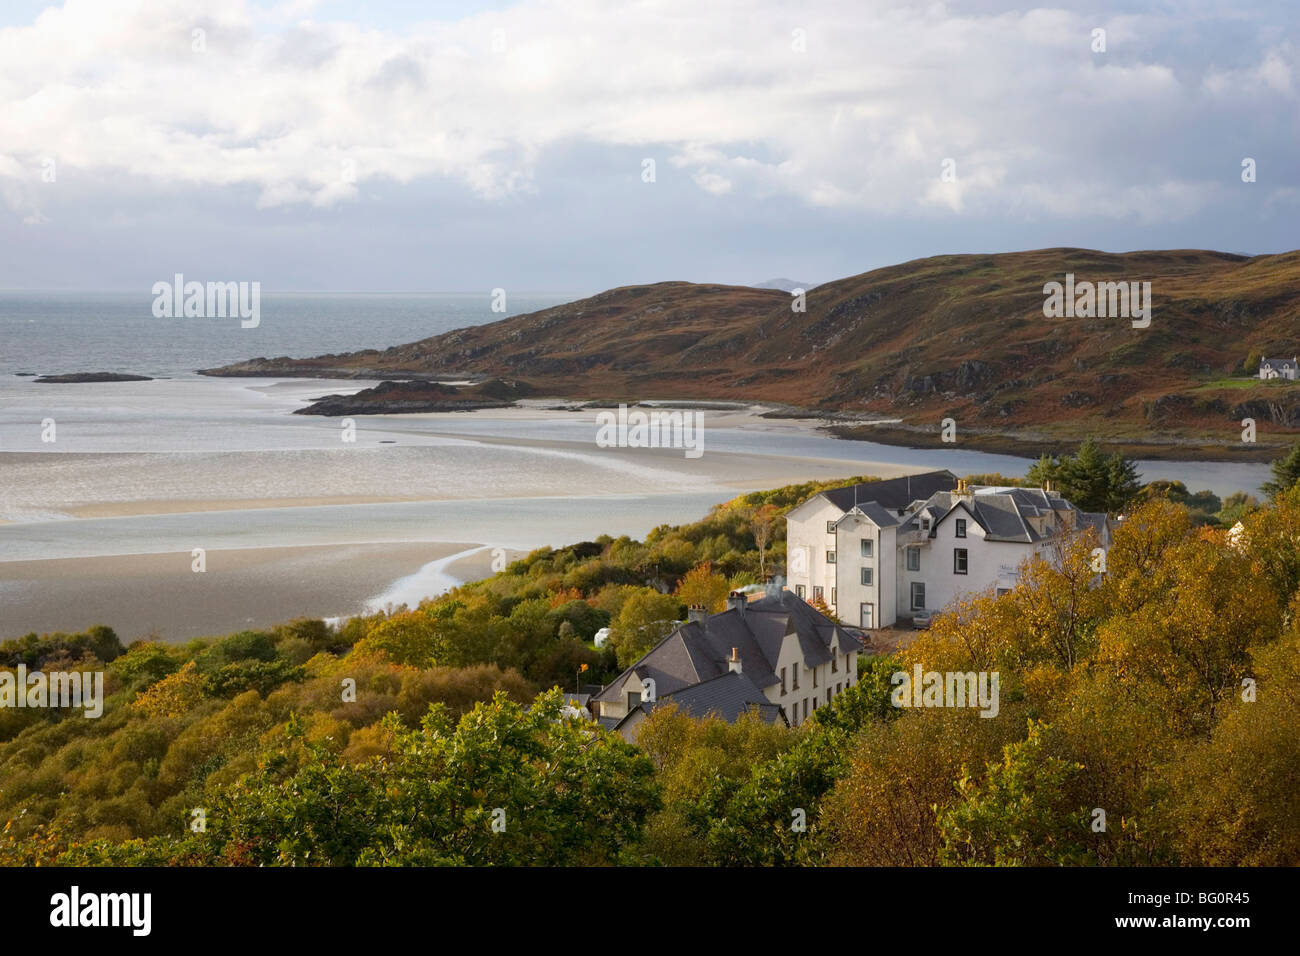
(884,550)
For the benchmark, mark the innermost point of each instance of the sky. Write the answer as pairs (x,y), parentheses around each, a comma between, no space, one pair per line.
(575,145)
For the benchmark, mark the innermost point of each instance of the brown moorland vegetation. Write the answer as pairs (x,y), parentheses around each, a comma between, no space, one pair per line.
(959,336)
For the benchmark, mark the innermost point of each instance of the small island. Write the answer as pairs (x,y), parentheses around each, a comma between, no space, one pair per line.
(79,378)
(390,398)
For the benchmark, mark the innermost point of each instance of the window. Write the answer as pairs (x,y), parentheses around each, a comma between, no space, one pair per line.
(794,677)
(914,559)
(830,557)
(961,527)
(918,596)
(633,700)
(832,597)
(866,547)
(830,527)
(925,523)
(958,560)
(814,700)
(800,591)
(805,708)
(814,674)
(1002,591)
(817,593)
(782,681)
(867,577)
(835,660)
(837,689)
(828,695)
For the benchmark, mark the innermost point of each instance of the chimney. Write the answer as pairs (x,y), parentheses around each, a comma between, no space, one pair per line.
(736,602)
(733,662)
(696,613)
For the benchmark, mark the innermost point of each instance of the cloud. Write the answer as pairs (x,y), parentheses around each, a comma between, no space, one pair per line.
(857,110)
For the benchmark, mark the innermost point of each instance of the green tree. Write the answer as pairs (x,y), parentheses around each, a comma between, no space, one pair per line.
(645,620)
(506,785)
(1235,507)
(1019,814)
(1286,473)
(1047,468)
(1089,479)
(1095,482)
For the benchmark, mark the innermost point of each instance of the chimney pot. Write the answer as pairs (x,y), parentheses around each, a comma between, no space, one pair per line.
(733,663)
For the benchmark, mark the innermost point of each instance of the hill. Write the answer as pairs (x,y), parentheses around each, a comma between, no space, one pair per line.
(960,336)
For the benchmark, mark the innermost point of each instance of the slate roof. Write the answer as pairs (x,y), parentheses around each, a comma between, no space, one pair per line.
(880,516)
(728,696)
(1279,362)
(697,651)
(1004,514)
(892,493)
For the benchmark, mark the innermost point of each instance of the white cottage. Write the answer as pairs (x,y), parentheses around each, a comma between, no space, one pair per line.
(1275,368)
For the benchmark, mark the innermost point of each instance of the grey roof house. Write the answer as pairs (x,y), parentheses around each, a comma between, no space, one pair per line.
(776,656)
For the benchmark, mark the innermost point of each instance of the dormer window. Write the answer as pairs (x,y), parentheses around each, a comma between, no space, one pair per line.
(925,522)
(961,527)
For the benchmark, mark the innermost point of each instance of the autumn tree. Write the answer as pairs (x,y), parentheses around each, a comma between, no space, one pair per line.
(504,785)
(763,522)
(700,586)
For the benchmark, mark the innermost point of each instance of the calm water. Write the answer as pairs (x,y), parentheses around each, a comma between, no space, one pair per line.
(58,332)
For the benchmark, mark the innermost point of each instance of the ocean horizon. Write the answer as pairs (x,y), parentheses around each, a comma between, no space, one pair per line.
(61,332)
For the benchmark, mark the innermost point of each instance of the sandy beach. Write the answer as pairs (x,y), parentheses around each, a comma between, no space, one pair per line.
(160,595)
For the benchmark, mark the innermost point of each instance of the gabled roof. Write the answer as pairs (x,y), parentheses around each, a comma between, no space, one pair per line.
(878,515)
(892,493)
(1003,514)
(1277,361)
(729,696)
(697,651)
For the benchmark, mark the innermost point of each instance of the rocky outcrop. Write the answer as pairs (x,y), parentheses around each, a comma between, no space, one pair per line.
(395,398)
(77,378)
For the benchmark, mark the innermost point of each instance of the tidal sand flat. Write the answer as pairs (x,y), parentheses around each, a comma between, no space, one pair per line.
(98,526)
(141,595)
